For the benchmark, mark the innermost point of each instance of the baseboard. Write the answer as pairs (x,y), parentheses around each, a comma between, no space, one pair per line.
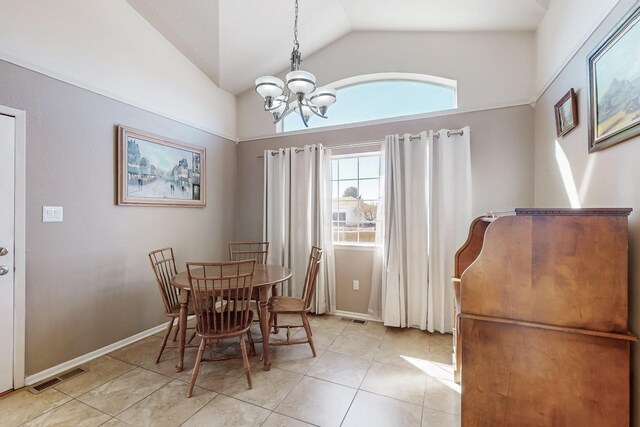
(352,315)
(70,364)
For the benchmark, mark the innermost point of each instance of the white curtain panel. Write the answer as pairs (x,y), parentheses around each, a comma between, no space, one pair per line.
(277,179)
(297,202)
(426,207)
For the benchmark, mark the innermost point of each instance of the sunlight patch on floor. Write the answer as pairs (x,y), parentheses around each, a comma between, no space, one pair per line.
(435,370)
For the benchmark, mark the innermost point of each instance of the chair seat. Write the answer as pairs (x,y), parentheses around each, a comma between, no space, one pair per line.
(282,304)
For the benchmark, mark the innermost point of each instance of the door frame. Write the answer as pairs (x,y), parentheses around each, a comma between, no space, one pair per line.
(19,298)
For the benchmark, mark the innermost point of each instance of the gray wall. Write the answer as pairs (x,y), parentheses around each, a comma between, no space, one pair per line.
(608,178)
(502,173)
(89,283)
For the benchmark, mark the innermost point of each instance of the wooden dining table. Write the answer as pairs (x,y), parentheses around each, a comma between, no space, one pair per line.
(265,277)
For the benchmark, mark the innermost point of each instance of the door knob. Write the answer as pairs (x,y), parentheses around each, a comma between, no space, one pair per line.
(3,270)
(3,251)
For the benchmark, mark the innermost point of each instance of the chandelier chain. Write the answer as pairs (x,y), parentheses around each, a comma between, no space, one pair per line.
(295,29)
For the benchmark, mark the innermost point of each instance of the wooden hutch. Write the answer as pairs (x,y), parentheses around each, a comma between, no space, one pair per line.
(541,319)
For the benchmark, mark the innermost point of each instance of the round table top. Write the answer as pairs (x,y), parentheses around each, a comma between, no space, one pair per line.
(264,275)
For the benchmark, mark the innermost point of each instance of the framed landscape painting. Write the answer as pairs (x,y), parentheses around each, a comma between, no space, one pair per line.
(614,86)
(157,171)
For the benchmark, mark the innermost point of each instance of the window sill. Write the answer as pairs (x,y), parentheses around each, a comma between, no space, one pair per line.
(355,247)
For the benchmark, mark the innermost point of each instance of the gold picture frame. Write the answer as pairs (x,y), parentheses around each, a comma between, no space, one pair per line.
(158,171)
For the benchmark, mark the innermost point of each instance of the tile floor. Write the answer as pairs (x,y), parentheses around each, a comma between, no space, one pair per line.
(363,375)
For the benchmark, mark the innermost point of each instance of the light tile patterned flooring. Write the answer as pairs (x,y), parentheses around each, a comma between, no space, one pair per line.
(364,375)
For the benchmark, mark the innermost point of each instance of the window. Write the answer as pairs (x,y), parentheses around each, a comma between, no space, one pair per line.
(356,181)
(381,96)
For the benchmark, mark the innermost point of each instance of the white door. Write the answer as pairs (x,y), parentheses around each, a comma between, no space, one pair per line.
(7,165)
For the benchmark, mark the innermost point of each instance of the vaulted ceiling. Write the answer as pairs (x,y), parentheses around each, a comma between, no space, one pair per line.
(235,41)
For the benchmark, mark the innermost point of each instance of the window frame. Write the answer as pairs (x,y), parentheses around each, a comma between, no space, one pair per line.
(333,179)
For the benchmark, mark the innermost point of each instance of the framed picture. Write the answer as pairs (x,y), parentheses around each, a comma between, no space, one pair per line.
(614,85)
(566,111)
(157,171)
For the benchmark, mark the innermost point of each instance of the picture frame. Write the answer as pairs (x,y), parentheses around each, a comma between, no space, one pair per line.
(158,171)
(566,112)
(614,85)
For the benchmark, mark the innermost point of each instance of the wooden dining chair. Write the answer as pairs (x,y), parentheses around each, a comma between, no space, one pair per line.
(292,305)
(240,251)
(164,268)
(220,293)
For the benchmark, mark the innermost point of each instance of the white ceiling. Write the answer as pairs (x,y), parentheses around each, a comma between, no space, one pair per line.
(235,41)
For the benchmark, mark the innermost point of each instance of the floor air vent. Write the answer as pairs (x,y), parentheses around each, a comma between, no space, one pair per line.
(355,321)
(43,385)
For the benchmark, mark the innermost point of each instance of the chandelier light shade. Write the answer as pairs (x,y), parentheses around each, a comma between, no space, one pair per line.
(302,96)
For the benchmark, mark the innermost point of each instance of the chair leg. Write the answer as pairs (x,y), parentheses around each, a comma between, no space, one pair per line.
(175,333)
(269,326)
(276,329)
(196,368)
(245,361)
(307,328)
(164,340)
(192,337)
(251,343)
(274,292)
(257,308)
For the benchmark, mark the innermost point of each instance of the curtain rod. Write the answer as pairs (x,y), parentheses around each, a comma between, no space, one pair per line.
(458,132)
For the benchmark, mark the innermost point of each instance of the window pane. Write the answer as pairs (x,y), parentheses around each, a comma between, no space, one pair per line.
(334,169)
(348,189)
(367,236)
(370,167)
(369,189)
(334,192)
(348,236)
(378,100)
(348,168)
(368,211)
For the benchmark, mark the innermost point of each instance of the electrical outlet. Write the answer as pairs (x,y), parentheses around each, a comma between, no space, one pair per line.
(356,285)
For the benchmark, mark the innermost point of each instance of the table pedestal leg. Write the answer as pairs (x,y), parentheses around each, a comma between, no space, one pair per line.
(264,326)
(182,324)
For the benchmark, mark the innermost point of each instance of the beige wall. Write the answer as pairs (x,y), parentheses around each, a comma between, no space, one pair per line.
(501,158)
(89,283)
(492,68)
(353,263)
(606,178)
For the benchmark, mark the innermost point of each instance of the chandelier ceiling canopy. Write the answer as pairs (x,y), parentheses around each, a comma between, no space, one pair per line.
(303,97)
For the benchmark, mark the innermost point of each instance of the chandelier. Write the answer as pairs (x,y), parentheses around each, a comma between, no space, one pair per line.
(303,97)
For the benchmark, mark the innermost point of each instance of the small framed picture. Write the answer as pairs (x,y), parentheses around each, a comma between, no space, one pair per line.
(157,171)
(566,111)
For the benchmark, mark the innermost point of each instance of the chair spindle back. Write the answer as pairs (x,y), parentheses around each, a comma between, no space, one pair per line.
(311,277)
(221,296)
(240,251)
(164,268)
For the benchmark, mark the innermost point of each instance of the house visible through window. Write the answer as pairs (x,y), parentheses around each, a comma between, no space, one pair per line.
(356,181)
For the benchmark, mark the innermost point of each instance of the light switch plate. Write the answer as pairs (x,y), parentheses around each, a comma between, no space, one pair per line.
(52,214)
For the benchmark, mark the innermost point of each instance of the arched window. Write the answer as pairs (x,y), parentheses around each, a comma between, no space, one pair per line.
(381,96)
